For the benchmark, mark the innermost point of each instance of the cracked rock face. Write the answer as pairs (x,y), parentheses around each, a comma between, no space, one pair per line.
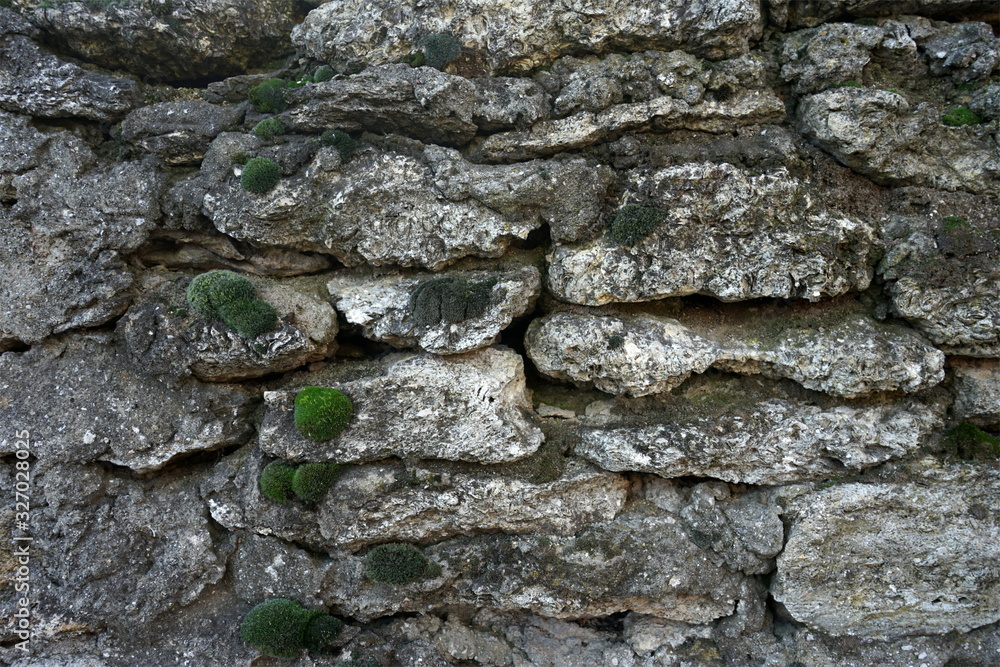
(752,432)
(726,233)
(180,132)
(179,41)
(521,35)
(878,134)
(427,209)
(383,308)
(976,384)
(166,337)
(469,408)
(839,351)
(69,221)
(888,559)
(86,401)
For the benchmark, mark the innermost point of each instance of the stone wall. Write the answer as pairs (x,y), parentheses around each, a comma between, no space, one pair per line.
(722,386)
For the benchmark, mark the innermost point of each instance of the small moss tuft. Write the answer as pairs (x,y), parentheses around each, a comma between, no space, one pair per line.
(968,442)
(322,413)
(282,628)
(312,481)
(958,116)
(249,317)
(269,97)
(269,128)
(276,481)
(260,175)
(322,73)
(615,341)
(450,299)
(340,140)
(396,564)
(439,49)
(632,223)
(954,222)
(209,292)
(358,662)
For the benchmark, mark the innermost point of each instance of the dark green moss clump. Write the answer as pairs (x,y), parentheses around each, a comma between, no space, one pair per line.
(269,97)
(340,140)
(322,413)
(312,481)
(954,222)
(632,223)
(450,299)
(958,116)
(260,175)
(615,341)
(322,73)
(283,628)
(269,128)
(276,481)
(439,49)
(968,442)
(397,564)
(249,317)
(211,291)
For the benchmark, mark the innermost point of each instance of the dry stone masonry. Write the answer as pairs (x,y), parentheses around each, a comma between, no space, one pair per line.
(517,334)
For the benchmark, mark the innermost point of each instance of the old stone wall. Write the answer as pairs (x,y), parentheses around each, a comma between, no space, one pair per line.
(671,328)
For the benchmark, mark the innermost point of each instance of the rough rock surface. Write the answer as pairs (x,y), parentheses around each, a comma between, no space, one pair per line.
(976,384)
(877,133)
(639,355)
(84,400)
(752,432)
(468,408)
(33,81)
(727,234)
(522,35)
(942,275)
(181,40)
(166,337)
(66,222)
(885,559)
(814,12)
(180,132)
(427,209)
(382,307)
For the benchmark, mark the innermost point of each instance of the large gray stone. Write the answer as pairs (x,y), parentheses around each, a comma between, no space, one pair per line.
(178,41)
(727,233)
(813,12)
(382,307)
(878,134)
(425,209)
(839,350)
(468,408)
(521,35)
(180,132)
(913,557)
(976,384)
(752,432)
(86,401)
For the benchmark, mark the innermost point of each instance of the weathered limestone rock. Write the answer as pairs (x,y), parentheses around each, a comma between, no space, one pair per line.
(113,552)
(85,401)
(383,307)
(421,102)
(468,408)
(379,504)
(182,40)
(832,55)
(208,250)
(505,103)
(753,432)
(643,560)
(878,134)
(35,82)
(522,35)
(813,12)
(889,559)
(837,350)
(976,384)
(165,336)
(726,233)
(942,276)
(65,223)
(599,100)
(966,51)
(180,132)
(427,209)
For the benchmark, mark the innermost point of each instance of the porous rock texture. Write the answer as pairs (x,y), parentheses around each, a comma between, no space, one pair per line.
(671,330)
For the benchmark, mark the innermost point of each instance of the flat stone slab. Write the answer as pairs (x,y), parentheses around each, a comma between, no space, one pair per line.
(468,408)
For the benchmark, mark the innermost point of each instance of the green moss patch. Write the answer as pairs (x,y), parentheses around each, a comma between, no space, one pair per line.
(312,481)
(269,97)
(282,628)
(451,299)
(269,128)
(968,442)
(633,223)
(260,175)
(231,298)
(340,140)
(276,481)
(439,49)
(958,116)
(397,564)
(322,413)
